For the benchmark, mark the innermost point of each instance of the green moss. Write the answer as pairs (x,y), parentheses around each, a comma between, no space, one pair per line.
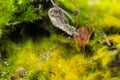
(55,57)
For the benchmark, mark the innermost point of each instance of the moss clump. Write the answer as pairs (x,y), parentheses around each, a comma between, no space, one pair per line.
(53,56)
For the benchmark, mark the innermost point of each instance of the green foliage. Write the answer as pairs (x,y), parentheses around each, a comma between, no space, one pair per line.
(7,8)
(82,7)
(55,57)
(26,10)
(20,10)
(13,11)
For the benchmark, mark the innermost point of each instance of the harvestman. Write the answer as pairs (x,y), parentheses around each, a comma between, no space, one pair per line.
(81,35)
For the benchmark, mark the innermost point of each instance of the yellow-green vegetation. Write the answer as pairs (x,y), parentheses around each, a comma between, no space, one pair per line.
(57,57)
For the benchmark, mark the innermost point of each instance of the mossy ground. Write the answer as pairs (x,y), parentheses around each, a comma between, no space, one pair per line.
(57,57)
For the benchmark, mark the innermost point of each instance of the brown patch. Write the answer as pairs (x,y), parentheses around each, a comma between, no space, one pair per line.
(84,36)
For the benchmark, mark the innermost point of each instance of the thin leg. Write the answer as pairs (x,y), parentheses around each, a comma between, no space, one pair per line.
(89,17)
(78,13)
(78,18)
(83,50)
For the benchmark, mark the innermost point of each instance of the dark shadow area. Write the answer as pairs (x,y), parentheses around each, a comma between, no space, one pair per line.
(25,31)
(87,51)
(111,47)
(19,34)
(112,30)
(115,65)
(71,50)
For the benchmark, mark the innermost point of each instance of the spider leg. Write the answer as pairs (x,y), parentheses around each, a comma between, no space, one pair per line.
(89,16)
(78,13)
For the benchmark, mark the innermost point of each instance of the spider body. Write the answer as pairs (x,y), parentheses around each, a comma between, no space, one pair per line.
(57,16)
(84,36)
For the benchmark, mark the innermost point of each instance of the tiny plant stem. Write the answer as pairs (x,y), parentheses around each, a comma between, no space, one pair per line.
(103,35)
(106,39)
(54,4)
(13,23)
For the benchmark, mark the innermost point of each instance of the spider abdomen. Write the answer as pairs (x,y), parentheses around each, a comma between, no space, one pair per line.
(84,35)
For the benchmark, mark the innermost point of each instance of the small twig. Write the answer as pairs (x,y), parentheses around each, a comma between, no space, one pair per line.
(54,4)
(106,39)
(36,9)
(46,56)
(13,23)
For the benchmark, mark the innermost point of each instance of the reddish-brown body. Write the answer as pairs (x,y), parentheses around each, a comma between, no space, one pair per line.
(84,36)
